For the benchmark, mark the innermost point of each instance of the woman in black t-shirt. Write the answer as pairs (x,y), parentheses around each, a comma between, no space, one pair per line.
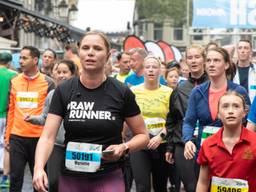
(93,108)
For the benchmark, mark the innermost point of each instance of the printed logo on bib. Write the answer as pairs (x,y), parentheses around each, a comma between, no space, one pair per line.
(27,99)
(83,157)
(228,185)
(208,131)
(155,125)
(80,111)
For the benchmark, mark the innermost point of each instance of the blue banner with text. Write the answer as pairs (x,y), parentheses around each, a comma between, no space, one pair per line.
(224,14)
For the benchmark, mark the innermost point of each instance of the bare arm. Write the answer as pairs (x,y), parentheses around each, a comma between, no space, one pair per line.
(141,136)
(40,119)
(125,131)
(44,149)
(203,181)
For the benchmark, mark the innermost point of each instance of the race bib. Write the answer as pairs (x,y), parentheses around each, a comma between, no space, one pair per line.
(208,131)
(252,91)
(196,131)
(155,125)
(228,185)
(27,99)
(83,157)
(253,87)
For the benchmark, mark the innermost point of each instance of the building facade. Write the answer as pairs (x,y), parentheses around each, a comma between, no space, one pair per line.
(41,23)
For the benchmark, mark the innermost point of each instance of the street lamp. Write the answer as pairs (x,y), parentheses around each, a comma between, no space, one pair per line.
(128,28)
(72,13)
(1,17)
(63,9)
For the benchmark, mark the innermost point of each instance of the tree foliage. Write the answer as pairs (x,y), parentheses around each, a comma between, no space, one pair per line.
(159,10)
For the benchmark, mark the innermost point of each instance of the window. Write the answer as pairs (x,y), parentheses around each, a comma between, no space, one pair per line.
(178,34)
(140,28)
(198,37)
(158,31)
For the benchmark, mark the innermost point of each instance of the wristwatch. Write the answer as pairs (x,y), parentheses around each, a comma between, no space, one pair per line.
(163,136)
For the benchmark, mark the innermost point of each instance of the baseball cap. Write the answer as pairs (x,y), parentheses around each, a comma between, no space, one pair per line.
(5,57)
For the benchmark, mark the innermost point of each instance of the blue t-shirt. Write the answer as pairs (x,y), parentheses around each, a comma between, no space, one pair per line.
(134,79)
(252,114)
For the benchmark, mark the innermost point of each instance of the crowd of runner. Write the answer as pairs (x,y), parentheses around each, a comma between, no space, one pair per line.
(99,120)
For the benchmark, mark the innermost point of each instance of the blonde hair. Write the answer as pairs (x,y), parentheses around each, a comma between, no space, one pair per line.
(152,57)
(199,48)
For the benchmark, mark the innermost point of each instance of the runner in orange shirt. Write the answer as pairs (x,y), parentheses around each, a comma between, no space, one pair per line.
(28,92)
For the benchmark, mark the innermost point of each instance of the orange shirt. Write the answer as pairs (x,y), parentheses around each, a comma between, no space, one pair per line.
(214,97)
(27,96)
(77,61)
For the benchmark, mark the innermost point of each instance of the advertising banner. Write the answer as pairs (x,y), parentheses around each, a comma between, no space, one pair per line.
(224,14)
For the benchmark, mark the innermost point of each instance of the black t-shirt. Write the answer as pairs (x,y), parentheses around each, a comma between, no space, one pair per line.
(94,115)
(243,76)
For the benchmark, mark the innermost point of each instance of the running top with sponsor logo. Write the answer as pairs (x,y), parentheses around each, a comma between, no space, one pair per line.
(27,96)
(154,105)
(94,116)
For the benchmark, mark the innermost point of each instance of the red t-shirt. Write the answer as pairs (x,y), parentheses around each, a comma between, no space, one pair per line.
(241,164)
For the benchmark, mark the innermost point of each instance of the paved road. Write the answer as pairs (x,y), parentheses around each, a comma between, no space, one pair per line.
(27,185)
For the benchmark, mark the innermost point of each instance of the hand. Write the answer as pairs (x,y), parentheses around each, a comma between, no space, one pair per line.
(169,157)
(190,150)
(6,146)
(154,142)
(118,152)
(26,117)
(40,180)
